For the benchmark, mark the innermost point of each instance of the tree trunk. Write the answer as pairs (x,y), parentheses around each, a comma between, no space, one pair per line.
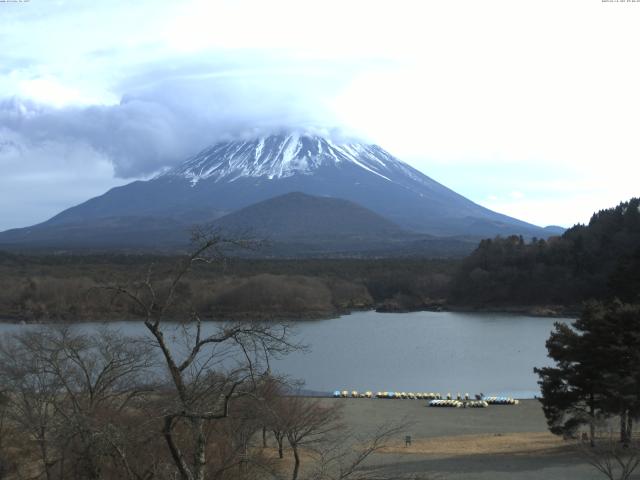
(264,437)
(62,463)
(279,439)
(296,465)
(44,452)
(176,454)
(624,439)
(199,453)
(592,425)
(89,464)
(92,471)
(629,427)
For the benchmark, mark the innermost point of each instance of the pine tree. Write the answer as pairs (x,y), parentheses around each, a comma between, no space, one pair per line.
(597,372)
(570,391)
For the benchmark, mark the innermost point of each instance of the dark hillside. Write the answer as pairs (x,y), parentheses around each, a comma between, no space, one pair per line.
(298,215)
(600,260)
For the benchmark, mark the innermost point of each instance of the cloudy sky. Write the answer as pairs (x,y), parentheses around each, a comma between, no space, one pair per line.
(531,108)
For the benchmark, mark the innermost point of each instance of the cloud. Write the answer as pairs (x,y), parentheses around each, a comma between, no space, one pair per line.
(159,126)
(66,137)
(136,136)
(483,96)
(134,100)
(40,179)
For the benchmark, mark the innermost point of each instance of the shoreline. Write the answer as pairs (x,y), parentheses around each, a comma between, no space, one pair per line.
(542,311)
(494,443)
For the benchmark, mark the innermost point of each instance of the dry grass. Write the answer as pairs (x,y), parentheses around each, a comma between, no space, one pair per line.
(485,444)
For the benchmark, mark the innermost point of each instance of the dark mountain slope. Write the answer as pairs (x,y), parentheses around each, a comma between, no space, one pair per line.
(230,176)
(298,215)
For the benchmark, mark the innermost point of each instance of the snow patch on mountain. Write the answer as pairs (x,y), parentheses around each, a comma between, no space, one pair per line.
(281,156)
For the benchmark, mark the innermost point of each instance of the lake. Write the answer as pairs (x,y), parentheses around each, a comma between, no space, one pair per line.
(421,351)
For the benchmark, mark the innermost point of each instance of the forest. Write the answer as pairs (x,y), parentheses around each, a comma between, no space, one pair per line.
(70,288)
(600,260)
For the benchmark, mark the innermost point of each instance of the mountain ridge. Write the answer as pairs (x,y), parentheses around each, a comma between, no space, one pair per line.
(233,175)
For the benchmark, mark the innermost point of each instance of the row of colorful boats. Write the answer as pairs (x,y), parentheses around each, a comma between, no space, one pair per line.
(459,403)
(436,399)
(481,403)
(396,395)
(501,401)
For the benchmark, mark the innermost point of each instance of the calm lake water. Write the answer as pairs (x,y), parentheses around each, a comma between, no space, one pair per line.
(422,351)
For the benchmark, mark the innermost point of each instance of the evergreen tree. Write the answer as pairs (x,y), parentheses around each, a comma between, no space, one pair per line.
(596,261)
(570,390)
(597,372)
(615,331)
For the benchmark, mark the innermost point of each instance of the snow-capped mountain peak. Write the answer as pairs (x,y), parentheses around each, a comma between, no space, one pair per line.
(234,175)
(282,156)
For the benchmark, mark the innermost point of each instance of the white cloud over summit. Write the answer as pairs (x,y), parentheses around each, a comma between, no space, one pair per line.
(489,98)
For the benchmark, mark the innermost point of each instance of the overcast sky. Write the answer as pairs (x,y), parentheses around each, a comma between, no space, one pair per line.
(531,108)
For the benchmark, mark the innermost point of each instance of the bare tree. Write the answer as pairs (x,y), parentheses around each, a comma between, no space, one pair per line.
(4,402)
(268,398)
(102,375)
(304,422)
(66,390)
(346,457)
(614,459)
(207,368)
(30,393)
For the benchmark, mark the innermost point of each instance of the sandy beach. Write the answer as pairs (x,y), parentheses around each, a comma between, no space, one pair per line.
(497,443)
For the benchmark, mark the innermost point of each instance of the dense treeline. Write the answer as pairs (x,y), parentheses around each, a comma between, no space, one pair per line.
(600,260)
(52,288)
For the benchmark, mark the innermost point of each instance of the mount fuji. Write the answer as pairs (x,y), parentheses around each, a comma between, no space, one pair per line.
(230,176)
